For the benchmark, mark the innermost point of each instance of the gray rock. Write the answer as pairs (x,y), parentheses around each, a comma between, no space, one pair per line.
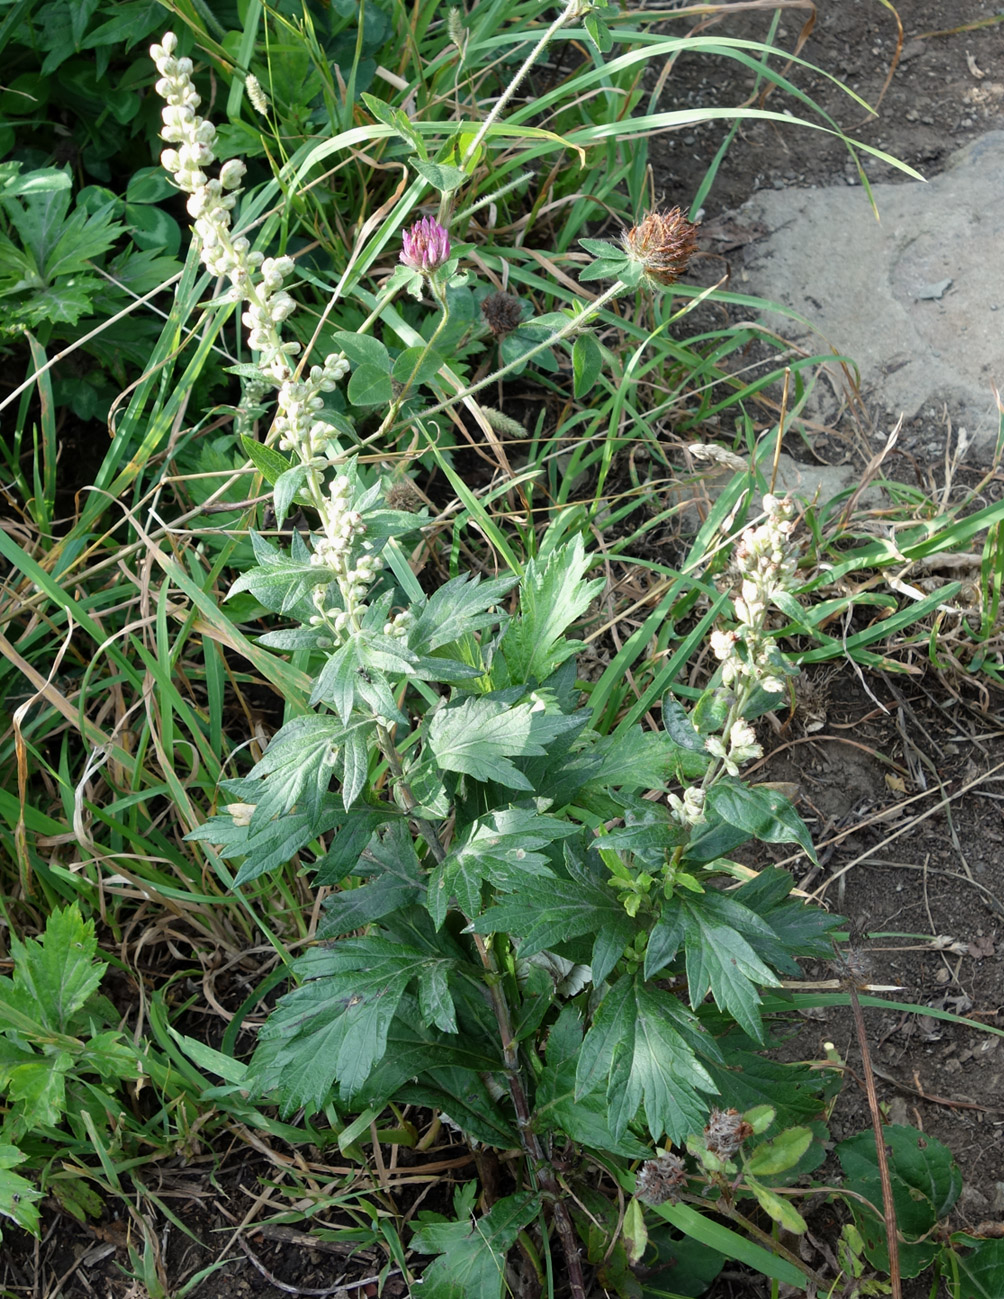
(911,298)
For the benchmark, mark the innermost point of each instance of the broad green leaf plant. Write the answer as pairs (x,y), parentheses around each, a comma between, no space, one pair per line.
(534,929)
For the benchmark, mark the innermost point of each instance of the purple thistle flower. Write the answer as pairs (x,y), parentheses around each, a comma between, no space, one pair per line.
(426,246)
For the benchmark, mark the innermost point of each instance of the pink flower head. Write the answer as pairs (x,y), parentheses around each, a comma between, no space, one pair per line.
(426,246)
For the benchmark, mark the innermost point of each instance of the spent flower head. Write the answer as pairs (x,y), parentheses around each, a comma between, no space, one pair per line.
(663,244)
(426,246)
(660,1180)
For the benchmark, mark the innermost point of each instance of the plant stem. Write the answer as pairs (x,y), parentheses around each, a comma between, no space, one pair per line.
(429,832)
(539,1166)
(888,1204)
(398,401)
(573,327)
(570,11)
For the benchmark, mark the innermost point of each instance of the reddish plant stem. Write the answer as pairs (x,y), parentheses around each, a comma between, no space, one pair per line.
(888,1205)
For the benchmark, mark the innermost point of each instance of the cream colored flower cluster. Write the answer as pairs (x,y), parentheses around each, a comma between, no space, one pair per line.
(766,560)
(254,279)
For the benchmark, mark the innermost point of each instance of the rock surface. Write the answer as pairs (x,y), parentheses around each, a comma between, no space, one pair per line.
(915,299)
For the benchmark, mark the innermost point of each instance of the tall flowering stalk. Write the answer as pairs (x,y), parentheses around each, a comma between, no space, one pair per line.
(259,283)
(766,560)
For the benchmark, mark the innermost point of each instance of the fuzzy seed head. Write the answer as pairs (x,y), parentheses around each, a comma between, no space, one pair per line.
(660,1179)
(725,1132)
(503,312)
(663,242)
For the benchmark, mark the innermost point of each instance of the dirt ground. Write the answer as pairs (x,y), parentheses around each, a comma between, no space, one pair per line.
(873,754)
(902,779)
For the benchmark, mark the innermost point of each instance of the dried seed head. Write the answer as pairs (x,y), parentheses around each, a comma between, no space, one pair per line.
(502,313)
(660,1179)
(663,243)
(404,495)
(853,967)
(725,1133)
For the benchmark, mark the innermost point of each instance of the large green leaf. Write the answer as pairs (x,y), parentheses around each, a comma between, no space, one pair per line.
(334,1027)
(493,847)
(925,1185)
(761,812)
(548,910)
(583,1118)
(720,960)
(637,1046)
(457,608)
(480,735)
(981,1269)
(552,595)
(472,1255)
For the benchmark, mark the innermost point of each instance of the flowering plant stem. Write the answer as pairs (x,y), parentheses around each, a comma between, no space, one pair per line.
(574,325)
(406,387)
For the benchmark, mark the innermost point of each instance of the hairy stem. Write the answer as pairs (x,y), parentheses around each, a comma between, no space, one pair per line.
(574,326)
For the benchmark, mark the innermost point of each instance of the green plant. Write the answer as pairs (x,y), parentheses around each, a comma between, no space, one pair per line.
(527,912)
(63,1063)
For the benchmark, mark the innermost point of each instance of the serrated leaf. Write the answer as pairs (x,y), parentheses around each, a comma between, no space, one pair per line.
(280,581)
(493,848)
(39,1086)
(720,960)
(583,1118)
(472,1255)
(761,812)
(544,912)
(269,846)
(480,735)
(635,1047)
(333,1029)
(456,609)
(552,595)
(297,767)
(55,976)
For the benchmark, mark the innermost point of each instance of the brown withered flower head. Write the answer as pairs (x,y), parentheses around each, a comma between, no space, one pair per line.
(660,1179)
(502,313)
(663,242)
(725,1133)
